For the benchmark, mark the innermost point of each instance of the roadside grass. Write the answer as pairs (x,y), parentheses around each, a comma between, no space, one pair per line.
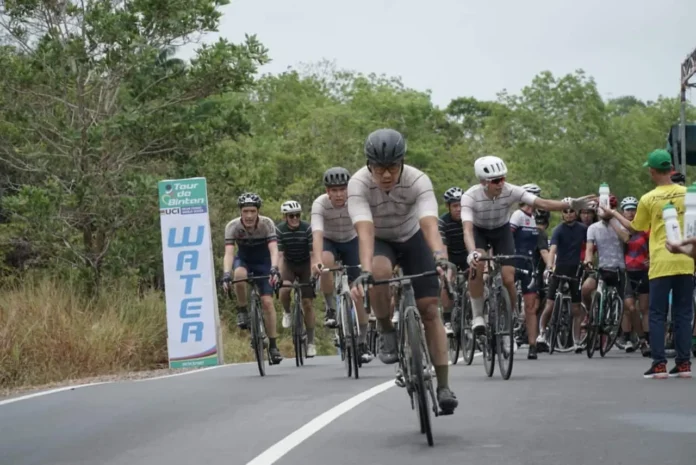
(50,332)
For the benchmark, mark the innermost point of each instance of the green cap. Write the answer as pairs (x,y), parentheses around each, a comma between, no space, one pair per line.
(659,159)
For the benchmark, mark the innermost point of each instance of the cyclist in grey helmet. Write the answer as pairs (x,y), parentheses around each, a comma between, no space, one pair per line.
(395,214)
(452,233)
(334,239)
(254,237)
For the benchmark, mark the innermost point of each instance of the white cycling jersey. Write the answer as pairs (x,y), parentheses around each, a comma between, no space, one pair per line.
(334,222)
(395,214)
(488,213)
(263,233)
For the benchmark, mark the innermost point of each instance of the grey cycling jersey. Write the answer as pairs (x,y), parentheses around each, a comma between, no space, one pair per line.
(334,222)
(237,234)
(609,246)
(488,213)
(395,214)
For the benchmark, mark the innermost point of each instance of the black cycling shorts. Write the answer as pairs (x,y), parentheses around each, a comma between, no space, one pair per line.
(637,283)
(413,257)
(499,239)
(612,277)
(554,281)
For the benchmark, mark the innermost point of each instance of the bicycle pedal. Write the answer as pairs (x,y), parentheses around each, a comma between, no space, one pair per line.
(400,382)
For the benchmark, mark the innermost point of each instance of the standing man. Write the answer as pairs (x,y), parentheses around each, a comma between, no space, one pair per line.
(394,211)
(668,272)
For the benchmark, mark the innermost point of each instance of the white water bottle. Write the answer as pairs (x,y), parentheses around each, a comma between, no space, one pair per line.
(604,195)
(690,212)
(669,215)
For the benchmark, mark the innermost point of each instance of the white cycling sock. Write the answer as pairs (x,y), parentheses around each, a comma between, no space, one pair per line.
(477,306)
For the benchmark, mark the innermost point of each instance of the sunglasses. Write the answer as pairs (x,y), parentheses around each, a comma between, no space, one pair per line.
(497,181)
(293,216)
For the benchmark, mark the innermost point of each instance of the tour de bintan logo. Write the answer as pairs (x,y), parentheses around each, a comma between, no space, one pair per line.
(186,196)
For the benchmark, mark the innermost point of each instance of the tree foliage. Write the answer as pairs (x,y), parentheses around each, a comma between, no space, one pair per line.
(95,109)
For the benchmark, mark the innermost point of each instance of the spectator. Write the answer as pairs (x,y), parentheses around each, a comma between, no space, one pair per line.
(668,272)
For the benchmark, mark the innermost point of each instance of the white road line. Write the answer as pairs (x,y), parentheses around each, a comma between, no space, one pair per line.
(51,391)
(289,442)
(77,386)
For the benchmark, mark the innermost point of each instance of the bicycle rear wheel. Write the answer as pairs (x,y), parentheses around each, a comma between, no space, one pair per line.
(257,336)
(414,332)
(487,345)
(592,325)
(612,327)
(505,334)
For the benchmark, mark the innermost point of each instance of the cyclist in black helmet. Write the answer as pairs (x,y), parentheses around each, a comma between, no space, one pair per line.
(256,241)
(452,233)
(395,214)
(334,239)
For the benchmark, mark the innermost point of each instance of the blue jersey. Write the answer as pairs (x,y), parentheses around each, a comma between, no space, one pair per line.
(569,240)
(526,235)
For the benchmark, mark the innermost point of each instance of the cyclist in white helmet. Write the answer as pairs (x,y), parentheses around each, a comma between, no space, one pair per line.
(485,215)
(295,258)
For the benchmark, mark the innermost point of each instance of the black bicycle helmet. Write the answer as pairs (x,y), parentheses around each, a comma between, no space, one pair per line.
(385,147)
(336,176)
(249,199)
(453,194)
(542,216)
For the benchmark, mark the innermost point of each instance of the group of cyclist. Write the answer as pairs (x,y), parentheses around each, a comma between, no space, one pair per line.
(386,215)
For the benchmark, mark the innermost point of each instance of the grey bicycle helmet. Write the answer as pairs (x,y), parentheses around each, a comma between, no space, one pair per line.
(385,147)
(453,194)
(629,202)
(291,206)
(249,199)
(336,176)
(532,189)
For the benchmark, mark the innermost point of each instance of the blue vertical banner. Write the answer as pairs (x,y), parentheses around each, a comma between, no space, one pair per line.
(193,321)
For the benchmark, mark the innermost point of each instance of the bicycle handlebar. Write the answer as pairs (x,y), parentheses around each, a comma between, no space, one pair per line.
(497,259)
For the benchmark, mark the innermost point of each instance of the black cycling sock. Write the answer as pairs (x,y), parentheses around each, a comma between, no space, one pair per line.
(441,374)
(272,342)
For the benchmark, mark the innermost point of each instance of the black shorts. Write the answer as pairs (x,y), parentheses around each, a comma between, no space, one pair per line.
(459,261)
(612,277)
(347,252)
(637,283)
(499,239)
(414,257)
(302,271)
(527,281)
(554,281)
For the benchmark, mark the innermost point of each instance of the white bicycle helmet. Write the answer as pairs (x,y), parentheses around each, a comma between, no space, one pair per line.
(453,194)
(532,189)
(569,201)
(291,206)
(629,202)
(489,167)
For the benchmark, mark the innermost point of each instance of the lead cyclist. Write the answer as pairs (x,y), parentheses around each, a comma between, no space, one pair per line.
(485,215)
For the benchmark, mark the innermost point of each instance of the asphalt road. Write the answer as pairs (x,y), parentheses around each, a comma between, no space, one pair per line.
(559,410)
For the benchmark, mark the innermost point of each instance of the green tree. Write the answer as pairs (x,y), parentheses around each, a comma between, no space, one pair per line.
(93,109)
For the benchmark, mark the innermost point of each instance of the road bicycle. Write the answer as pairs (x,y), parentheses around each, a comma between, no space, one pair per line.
(606,312)
(348,330)
(299,332)
(463,337)
(259,344)
(498,337)
(415,366)
(560,326)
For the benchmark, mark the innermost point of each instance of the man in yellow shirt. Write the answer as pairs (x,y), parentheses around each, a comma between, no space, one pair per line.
(668,272)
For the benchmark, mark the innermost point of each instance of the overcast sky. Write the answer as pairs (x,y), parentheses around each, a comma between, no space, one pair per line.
(477,47)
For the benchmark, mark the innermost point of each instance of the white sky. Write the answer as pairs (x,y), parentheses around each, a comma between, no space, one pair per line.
(477,48)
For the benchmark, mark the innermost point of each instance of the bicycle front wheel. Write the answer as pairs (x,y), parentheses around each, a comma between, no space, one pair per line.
(593,324)
(352,323)
(613,323)
(466,333)
(257,336)
(298,334)
(455,342)
(413,330)
(487,345)
(504,334)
